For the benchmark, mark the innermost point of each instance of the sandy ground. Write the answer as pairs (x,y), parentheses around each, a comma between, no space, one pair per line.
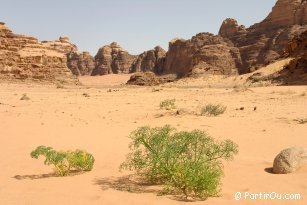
(100,124)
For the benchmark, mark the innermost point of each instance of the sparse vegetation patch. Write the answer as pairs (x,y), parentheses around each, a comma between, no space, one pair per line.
(64,162)
(168,104)
(213,110)
(186,163)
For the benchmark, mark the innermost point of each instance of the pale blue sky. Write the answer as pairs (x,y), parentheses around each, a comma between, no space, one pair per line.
(137,25)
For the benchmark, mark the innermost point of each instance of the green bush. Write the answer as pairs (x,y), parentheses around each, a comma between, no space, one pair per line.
(80,160)
(168,104)
(64,162)
(187,163)
(213,110)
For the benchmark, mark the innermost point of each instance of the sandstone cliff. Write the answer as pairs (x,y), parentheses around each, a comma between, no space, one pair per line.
(265,42)
(204,53)
(296,71)
(25,58)
(152,60)
(80,63)
(112,59)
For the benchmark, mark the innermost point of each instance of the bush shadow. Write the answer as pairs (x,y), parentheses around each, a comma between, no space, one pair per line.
(127,183)
(134,184)
(44,176)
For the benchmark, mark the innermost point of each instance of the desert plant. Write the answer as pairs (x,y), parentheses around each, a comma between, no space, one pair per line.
(80,160)
(168,104)
(188,163)
(64,162)
(213,110)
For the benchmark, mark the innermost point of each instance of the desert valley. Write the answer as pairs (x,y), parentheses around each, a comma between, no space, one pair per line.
(54,95)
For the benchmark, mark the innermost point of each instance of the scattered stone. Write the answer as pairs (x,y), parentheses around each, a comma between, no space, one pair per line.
(289,160)
(24,97)
(86,95)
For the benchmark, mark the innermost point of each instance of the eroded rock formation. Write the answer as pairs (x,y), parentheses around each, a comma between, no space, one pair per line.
(25,58)
(204,53)
(296,71)
(112,59)
(150,79)
(80,63)
(152,60)
(265,42)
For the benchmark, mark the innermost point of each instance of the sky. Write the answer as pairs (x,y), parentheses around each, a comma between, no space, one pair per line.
(137,25)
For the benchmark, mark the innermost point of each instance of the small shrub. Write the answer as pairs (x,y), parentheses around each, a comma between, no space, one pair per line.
(168,104)
(213,110)
(187,163)
(64,162)
(80,160)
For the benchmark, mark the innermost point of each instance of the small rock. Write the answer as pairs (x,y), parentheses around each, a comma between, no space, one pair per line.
(289,160)
(24,97)
(86,95)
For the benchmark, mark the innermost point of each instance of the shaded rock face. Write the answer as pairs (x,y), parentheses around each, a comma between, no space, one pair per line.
(289,160)
(80,63)
(25,58)
(152,60)
(150,79)
(265,42)
(112,59)
(204,53)
(286,13)
(296,71)
(231,28)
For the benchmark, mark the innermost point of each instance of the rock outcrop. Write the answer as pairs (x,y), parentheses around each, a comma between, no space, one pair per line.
(112,59)
(63,45)
(296,71)
(290,160)
(265,42)
(150,79)
(80,63)
(25,58)
(204,53)
(286,13)
(152,60)
(230,28)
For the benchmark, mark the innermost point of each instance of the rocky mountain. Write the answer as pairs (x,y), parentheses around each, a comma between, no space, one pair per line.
(25,58)
(236,50)
(265,42)
(204,53)
(296,71)
(112,59)
(152,60)
(80,63)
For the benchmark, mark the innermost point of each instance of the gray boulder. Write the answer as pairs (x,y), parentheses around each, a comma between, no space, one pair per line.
(289,160)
